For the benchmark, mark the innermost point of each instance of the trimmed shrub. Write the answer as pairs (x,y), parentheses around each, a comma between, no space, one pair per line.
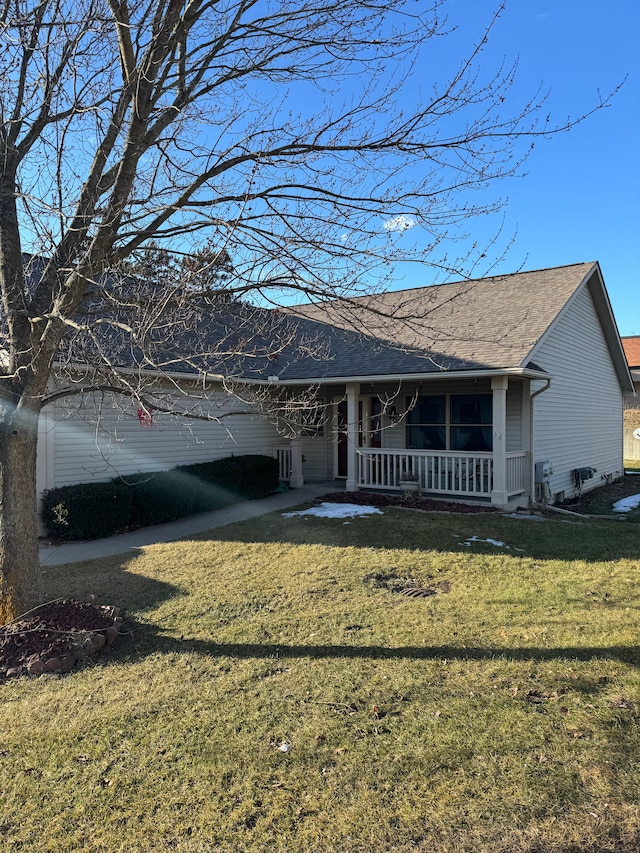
(246,477)
(259,476)
(95,510)
(86,511)
(167,495)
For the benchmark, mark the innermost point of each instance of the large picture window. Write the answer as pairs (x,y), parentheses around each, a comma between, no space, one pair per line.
(450,422)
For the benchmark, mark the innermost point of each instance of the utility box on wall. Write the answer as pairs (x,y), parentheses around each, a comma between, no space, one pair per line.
(543,471)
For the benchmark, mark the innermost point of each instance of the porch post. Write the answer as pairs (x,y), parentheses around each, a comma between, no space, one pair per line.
(296,480)
(353,392)
(499,495)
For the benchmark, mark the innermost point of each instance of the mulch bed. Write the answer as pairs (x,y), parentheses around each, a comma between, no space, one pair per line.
(601,499)
(56,637)
(425,504)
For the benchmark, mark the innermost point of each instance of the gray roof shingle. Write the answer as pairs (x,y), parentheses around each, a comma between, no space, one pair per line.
(485,324)
(491,323)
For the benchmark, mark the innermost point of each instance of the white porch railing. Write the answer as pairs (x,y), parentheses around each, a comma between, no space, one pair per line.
(516,473)
(447,473)
(283,454)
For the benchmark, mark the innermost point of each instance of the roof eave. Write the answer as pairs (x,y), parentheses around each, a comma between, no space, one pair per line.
(484,373)
(480,373)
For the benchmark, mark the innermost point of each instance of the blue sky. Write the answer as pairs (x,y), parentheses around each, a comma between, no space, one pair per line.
(580,198)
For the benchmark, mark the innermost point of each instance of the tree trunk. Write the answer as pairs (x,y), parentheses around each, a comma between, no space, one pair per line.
(19,554)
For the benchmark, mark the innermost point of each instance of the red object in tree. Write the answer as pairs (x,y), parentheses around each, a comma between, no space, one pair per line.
(145,417)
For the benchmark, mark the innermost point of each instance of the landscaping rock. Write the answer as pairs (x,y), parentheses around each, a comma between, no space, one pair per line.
(56,636)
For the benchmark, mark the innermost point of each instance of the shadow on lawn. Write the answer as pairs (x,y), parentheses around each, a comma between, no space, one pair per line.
(408,529)
(114,584)
(149,639)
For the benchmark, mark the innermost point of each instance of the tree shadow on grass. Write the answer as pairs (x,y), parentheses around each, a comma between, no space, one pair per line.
(114,584)
(412,530)
(149,638)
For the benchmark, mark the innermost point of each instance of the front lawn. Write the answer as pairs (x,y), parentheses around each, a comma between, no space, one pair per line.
(278,691)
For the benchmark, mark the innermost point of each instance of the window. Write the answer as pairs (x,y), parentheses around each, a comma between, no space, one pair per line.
(427,423)
(451,422)
(471,422)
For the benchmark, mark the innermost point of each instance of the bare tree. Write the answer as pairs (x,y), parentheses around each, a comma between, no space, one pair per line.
(268,133)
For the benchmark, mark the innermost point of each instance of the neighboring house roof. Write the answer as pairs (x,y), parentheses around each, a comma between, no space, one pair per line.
(631,347)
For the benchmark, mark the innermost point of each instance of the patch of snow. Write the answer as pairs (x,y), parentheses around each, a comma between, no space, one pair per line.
(627,504)
(524,516)
(495,542)
(331,510)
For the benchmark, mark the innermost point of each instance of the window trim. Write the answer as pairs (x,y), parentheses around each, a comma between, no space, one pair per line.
(448,424)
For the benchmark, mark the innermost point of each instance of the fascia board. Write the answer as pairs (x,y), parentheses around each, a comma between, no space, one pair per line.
(522,372)
(525,373)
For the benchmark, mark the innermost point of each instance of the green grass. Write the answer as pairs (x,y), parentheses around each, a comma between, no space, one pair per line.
(501,715)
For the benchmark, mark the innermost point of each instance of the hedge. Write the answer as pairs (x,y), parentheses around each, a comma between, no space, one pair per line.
(96,510)
(87,511)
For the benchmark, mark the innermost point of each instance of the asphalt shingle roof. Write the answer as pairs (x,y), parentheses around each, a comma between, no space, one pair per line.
(485,324)
(491,323)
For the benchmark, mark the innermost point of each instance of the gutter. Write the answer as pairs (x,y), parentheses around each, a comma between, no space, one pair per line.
(274,380)
(526,373)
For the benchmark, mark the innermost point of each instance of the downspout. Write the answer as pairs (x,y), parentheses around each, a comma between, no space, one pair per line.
(532,435)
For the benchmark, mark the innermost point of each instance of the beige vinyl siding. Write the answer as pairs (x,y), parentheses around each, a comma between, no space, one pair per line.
(514,416)
(84,450)
(577,420)
(317,449)
(394,435)
(317,464)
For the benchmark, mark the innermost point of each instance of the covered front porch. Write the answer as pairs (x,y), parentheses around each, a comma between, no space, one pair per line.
(455,438)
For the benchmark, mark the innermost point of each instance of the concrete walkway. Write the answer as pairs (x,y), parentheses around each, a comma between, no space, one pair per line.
(77,552)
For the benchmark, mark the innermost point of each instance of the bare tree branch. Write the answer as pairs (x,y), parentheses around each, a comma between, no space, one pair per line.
(270,144)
